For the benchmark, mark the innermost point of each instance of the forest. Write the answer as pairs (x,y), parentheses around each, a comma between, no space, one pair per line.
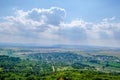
(57,64)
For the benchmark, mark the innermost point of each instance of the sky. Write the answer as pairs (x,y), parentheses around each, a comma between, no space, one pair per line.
(69,22)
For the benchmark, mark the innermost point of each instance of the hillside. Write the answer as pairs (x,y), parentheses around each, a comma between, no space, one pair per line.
(58,64)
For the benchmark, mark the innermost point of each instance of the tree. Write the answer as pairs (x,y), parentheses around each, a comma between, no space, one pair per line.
(1,70)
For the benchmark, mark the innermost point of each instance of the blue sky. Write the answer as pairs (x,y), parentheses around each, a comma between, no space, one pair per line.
(87,9)
(49,22)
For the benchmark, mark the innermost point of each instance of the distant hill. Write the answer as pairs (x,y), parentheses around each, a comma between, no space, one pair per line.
(32,45)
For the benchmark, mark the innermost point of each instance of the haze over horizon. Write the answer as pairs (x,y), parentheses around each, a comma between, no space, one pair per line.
(68,22)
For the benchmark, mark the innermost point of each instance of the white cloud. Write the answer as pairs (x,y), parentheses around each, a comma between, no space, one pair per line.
(47,26)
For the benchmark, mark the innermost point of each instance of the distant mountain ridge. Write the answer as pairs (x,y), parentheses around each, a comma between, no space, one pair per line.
(32,45)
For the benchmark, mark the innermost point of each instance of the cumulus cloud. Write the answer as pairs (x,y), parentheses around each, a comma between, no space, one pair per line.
(52,16)
(47,26)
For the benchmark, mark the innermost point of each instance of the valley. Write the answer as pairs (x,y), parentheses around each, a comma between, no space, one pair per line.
(40,63)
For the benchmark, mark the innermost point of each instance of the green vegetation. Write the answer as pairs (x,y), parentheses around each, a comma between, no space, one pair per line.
(58,64)
(81,75)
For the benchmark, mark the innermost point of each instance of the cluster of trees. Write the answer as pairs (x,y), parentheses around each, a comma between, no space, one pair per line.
(79,65)
(14,68)
(81,75)
(44,66)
